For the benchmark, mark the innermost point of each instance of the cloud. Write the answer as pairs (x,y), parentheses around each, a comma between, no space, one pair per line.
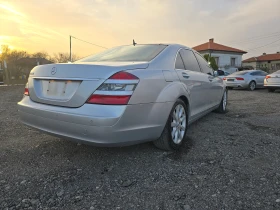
(46,25)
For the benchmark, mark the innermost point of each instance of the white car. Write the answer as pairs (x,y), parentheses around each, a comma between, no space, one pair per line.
(272,81)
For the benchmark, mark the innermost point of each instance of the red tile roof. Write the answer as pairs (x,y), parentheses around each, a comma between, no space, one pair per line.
(265,57)
(211,45)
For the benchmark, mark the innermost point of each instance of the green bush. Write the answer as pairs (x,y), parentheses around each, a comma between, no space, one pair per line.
(212,62)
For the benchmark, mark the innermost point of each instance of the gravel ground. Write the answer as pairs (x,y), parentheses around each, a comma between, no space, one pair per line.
(230,161)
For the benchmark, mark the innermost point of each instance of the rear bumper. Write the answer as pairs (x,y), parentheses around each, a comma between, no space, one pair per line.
(271,85)
(237,84)
(98,124)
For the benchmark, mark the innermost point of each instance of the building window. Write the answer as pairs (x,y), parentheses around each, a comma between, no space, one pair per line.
(232,61)
(217,60)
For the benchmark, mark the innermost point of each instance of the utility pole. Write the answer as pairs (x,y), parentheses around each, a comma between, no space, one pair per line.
(70,51)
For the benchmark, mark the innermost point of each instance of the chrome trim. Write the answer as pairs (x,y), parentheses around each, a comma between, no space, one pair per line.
(66,78)
(113,93)
(121,81)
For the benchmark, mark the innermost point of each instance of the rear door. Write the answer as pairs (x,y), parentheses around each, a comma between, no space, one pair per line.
(214,84)
(188,71)
(259,77)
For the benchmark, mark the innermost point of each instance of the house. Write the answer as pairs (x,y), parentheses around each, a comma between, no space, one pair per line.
(227,58)
(270,62)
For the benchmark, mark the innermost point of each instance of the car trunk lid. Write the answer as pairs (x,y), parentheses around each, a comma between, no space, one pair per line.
(71,84)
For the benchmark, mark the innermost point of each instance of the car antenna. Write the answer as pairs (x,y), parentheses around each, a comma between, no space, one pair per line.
(134,43)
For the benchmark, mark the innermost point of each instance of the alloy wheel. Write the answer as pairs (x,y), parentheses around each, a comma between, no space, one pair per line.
(252,86)
(225,100)
(178,124)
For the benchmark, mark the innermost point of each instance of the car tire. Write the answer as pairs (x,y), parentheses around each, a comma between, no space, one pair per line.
(252,86)
(168,142)
(271,90)
(223,105)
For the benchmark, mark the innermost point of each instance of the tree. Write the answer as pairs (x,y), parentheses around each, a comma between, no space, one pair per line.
(63,57)
(212,61)
(40,55)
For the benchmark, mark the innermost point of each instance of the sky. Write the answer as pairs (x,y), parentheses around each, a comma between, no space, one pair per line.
(41,25)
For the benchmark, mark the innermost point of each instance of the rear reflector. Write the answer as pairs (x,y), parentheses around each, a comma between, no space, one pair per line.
(108,99)
(26,91)
(239,78)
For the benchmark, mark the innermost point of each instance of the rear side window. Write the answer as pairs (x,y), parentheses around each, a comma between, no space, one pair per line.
(263,73)
(204,65)
(259,73)
(179,62)
(189,60)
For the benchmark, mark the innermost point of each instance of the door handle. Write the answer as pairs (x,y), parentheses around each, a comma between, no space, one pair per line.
(185,75)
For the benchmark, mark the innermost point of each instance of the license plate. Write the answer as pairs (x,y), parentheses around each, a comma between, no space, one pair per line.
(230,80)
(59,89)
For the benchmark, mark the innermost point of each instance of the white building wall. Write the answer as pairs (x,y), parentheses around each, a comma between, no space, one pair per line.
(225,60)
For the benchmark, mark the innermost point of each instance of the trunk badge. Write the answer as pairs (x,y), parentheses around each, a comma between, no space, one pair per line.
(54,70)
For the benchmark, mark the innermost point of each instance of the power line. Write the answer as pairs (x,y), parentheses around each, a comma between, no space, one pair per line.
(264,45)
(89,42)
(256,37)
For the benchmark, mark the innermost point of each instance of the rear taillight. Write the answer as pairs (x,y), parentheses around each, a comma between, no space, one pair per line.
(239,78)
(224,78)
(267,76)
(26,91)
(116,90)
(108,99)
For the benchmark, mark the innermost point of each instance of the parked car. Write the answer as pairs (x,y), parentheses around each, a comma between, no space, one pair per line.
(272,81)
(222,73)
(123,96)
(250,79)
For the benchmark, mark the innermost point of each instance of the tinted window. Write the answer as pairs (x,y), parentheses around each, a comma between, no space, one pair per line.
(259,73)
(179,62)
(204,65)
(189,60)
(240,73)
(263,73)
(127,53)
(255,73)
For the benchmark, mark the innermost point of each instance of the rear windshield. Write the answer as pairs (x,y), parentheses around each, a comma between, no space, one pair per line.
(127,53)
(240,73)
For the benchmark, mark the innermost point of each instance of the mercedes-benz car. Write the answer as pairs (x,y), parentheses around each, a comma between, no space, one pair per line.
(123,96)
(272,81)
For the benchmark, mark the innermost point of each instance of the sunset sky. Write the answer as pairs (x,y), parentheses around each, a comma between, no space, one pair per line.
(41,25)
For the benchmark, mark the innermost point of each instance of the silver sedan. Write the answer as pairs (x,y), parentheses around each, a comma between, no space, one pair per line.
(250,79)
(123,96)
(272,81)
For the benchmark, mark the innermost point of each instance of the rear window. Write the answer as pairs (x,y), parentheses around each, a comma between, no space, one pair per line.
(240,73)
(127,53)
